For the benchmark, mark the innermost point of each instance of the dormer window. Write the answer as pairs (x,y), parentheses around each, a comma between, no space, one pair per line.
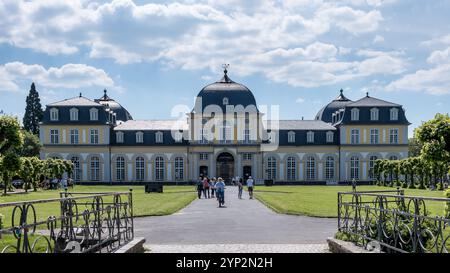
(330,137)
(291,137)
(74,114)
(310,137)
(333,118)
(54,114)
(159,137)
(225,101)
(139,137)
(374,114)
(178,136)
(93,113)
(355,114)
(394,114)
(119,137)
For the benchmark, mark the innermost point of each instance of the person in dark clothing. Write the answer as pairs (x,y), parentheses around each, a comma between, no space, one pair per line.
(199,187)
(213,187)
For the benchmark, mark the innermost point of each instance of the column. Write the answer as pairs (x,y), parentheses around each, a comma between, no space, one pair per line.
(169,171)
(364,174)
(130,171)
(149,171)
(84,172)
(320,170)
(281,172)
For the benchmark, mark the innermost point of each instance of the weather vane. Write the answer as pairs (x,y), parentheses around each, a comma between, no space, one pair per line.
(225,67)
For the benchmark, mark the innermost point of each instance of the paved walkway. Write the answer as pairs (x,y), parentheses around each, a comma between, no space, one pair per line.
(241,222)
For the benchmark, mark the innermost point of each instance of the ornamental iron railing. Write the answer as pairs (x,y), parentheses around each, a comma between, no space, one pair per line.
(76,222)
(389,221)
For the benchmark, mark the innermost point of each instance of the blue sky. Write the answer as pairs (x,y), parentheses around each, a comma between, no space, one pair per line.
(297,54)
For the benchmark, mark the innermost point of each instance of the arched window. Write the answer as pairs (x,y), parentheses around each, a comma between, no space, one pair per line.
(394,114)
(76,175)
(311,168)
(54,115)
(354,167)
(329,168)
(139,137)
(291,168)
(291,137)
(355,114)
(120,168)
(310,137)
(140,167)
(271,168)
(159,168)
(93,114)
(95,168)
(374,114)
(73,114)
(179,168)
(372,160)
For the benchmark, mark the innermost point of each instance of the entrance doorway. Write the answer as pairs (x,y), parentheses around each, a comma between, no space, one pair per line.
(246,172)
(225,167)
(203,171)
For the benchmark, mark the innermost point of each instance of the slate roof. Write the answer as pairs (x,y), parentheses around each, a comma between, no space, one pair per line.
(368,101)
(150,125)
(325,114)
(300,125)
(76,101)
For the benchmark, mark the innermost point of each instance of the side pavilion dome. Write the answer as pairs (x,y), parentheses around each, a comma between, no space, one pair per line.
(325,114)
(224,92)
(122,114)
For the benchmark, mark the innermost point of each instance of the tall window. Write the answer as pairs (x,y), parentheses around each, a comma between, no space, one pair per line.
(54,115)
(93,113)
(374,136)
(76,175)
(291,137)
(394,114)
(372,160)
(54,136)
(271,168)
(329,168)
(393,136)
(94,136)
(159,168)
(203,156)
(140,167)
(246,156)
(354,136)
(74,114)
(374,114)
(178,136)
(74,136)
(354,167)
(95,168)
(119,137)
(355,114)
(226,133)
(310,137)
(139,137)
(179,168)
(159,137)
(203,136)
(291,168)
(246,136)
(120,168)
(330,137)
(311,168)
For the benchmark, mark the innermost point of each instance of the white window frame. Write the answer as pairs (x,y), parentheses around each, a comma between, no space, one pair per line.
(355,114)
(94,136)
(374,136)
(179,168)
(93,114)
(225,101)
(271,168)
(291,137)
(393,114)
(76,173)
(354,168)
(54,114)
(139,137)
(54,136)
(120,168)
(374,114)
(74,136)
(354,136)
(119,137)
(246,156)
(311,168)
(372,160)
(246,136)
(159,168)
(73,114)
(159,137)
(310,137)
(94,168)
(393,136)
(329,168)
(291,168)
(139,168)
(330,137)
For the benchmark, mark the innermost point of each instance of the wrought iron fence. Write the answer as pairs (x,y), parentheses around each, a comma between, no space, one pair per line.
(87,222)
(393,222)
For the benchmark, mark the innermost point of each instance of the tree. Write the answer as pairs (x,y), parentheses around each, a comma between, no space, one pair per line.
(33,111)
(414,147)
(10,135)
(9,166)
(26,171)
(434,135)
(31,145)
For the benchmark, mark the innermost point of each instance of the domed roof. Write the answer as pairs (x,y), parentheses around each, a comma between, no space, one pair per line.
(325,114)
(121,113)
(225,92)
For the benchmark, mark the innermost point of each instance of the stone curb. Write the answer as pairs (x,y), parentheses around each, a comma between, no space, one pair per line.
(339,246)
(135,246)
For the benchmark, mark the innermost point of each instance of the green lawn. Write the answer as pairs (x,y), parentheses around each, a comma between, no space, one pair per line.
(321,201)
(173,199)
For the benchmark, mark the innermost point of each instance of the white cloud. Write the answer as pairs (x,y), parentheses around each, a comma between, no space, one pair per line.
(439,56)
(66,76)
(300,100)
(378,39)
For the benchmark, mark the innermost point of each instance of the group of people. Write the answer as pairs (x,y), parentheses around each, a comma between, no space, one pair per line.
(213,187)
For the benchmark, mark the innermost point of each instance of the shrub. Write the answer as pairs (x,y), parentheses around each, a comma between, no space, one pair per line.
(447,206)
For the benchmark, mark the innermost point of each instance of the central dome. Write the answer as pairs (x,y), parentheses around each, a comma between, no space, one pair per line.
(224,92)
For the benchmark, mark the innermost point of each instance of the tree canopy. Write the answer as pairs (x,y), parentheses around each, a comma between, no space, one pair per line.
(33,111)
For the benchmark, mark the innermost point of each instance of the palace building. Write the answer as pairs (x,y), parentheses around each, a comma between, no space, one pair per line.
(225,135)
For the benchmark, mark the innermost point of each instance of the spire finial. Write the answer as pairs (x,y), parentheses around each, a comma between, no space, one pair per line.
(80,95)
(104,91)
(367,94)
(225,67)
(342,91)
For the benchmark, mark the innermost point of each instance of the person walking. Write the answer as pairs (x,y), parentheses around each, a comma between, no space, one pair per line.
(213,187)
(250,185)
(220,190)
(206,188)
(240,188)
(199,187)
